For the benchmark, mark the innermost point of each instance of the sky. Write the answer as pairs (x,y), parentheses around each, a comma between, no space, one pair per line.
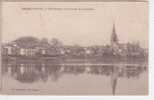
(76,23)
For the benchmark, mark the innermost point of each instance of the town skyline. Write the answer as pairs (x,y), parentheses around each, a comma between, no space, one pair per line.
(76,44)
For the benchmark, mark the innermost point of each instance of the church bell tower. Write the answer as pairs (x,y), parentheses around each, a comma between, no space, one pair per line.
(114,37)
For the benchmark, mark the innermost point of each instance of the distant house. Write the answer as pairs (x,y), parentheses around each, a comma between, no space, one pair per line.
(27,51)
(30,47)
(50,51)
(88,51)
(43,51)
(9,49)
(21,47)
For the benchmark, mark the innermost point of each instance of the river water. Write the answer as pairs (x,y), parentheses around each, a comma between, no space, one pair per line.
(73,79)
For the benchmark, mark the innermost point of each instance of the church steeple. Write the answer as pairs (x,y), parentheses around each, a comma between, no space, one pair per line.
(113,31)
(114,37)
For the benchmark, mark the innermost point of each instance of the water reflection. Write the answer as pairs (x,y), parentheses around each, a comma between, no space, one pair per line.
(34,71)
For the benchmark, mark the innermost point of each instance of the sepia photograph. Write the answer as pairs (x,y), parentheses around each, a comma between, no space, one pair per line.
(74,48)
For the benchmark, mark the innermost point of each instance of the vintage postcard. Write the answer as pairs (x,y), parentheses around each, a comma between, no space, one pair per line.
(78,47)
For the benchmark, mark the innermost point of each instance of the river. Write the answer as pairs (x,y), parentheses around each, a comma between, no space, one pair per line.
(81,79)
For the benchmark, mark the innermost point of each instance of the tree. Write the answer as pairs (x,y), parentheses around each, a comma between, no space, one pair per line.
(55,42)
(27,42)
(44,42)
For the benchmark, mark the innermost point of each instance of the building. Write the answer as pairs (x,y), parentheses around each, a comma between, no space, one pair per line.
(122,49)
(114,41)
(9,49)
(114,37)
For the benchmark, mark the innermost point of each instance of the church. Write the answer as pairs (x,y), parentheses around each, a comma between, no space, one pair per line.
(124,49)
(115,45)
